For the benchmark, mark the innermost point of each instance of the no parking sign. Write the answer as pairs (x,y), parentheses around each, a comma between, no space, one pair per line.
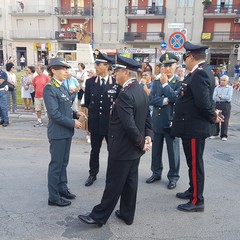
(176,41)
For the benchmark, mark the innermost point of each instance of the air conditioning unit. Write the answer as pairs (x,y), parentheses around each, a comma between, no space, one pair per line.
(236,48)
(236,20)
(64,21)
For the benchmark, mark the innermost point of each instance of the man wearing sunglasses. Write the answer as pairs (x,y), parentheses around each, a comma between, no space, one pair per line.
(194,120)
(162,98)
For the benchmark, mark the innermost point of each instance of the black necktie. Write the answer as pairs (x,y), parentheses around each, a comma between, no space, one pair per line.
(103,84)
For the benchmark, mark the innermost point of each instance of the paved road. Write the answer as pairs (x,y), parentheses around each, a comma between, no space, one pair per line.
(25,215)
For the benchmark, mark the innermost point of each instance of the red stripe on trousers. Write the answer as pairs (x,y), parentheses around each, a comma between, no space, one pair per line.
(194,170)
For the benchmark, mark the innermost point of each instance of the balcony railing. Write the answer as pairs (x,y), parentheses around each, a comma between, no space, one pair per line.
(143,10)
(226,8)
(31,34)
(220,36)
(79,11)
(30,9)
(143,36)
(80,36)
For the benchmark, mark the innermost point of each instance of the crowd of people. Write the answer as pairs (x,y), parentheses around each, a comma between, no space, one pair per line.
(133,109)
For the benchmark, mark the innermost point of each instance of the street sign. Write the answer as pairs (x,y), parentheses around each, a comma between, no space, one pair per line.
(175,25)
(163,45)
(176,41)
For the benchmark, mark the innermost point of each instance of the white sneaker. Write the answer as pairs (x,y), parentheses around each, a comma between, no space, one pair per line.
(213,137)
(88,139)
(38,124)
(224,139)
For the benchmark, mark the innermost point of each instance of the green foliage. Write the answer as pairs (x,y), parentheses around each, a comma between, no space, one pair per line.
(207,3)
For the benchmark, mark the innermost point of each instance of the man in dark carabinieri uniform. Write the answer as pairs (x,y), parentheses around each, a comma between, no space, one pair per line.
(100,93)
(129,137)
(194,120)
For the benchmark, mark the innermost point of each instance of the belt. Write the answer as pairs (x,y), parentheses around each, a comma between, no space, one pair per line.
(223,102)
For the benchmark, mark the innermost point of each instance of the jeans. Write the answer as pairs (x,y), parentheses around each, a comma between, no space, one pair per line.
(14,101)
(3,106)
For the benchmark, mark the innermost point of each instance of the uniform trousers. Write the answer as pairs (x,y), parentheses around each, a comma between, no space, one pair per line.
(226,111)
(3,106)
(57,170)
(121,180)
(173,155)
(96,143)
(193,149)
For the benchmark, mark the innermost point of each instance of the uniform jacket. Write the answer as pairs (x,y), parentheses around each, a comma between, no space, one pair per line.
(99,103)
(163,114)
(130,122)
(194,109)
(58,104)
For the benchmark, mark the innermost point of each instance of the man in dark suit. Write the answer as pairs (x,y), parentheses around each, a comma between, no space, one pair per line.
(162,98)
(129,137)
(100,93)
(62,121)
(193,121)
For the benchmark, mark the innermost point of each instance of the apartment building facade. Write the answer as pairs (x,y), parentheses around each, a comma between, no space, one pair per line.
(137,28)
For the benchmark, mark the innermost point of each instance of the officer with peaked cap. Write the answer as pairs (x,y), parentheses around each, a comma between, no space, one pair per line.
(62,121)
(162,98)
(100,93)
(193,121)
(129,138)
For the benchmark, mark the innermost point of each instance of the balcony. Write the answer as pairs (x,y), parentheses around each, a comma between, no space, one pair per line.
(222,11)
(221,37)
(146,12)
(30,10)
(80,36)
(15,34)
(144,37)
(74,12)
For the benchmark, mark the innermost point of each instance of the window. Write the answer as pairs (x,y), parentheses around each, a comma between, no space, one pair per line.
(185,3)
(110,4)
(77,3)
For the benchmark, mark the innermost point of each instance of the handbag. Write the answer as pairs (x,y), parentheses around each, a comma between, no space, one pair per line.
(11,87)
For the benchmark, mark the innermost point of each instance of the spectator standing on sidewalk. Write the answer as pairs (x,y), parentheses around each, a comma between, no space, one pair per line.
(25,91)
(39,82)
(12,96)
(22,62)
(222,96)
(4,120)
(72,86)
(30,72)
(237,70)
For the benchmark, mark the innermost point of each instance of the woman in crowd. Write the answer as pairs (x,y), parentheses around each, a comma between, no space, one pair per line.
(12,98)
(25,92)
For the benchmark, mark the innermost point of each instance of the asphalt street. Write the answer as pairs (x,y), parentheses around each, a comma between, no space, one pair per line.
(25,214)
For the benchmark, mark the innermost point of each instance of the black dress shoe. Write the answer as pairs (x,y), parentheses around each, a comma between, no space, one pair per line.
(153,179)
(118,215)
(90,180)
(171,185)
(60,203)
(66,194)
(5,124)
(189,207)
(1,122)
(87,219)
(184,195)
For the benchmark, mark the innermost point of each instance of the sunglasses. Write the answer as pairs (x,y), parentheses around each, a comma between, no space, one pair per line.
(185,56)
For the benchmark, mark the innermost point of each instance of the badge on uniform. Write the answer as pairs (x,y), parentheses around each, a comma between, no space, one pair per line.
(64,97)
